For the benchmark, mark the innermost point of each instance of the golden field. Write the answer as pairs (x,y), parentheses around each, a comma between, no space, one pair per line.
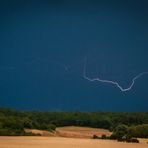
(80,132)
(60,142)
(67,137)
(72,132)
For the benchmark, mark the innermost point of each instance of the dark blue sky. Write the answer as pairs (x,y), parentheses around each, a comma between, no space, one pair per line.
(43,45)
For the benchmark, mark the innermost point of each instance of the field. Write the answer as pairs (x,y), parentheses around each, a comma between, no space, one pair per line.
(59,142)
(80,132)
(67,137)
(72,132)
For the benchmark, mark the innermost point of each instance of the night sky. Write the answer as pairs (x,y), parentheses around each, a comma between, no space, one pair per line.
(44,44)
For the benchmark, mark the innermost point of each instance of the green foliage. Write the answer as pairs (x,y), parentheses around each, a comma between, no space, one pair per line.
(51,127)
(27,123)
(11,132)
(12,123)
(125,133)
(119,132)
(103,137)
(17,121)
(140,131)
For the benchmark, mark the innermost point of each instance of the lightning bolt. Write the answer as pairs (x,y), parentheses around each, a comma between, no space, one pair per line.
(112,82)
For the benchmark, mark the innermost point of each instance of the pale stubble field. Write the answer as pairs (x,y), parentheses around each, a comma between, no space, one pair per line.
(60,142)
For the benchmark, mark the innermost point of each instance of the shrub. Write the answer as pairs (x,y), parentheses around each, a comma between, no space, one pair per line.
(103,137)
(133,140)
(140,131)
(95,137)
(51,127)
(119,132)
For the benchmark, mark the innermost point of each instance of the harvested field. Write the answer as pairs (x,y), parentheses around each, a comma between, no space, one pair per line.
(58,142)
(80,132)
(72,132)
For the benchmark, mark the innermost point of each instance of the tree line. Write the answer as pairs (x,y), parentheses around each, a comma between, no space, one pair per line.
(13,122)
